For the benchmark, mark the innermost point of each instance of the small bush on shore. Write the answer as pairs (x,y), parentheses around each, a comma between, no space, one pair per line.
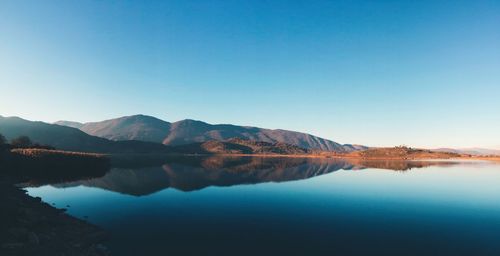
(21,142)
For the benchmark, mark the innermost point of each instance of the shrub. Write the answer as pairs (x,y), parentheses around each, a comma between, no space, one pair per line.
(3,140)
(21,142)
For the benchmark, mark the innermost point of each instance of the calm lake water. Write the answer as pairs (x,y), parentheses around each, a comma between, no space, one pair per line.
(290,206)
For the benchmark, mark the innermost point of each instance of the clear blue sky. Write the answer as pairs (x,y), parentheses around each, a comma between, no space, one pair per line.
(421,73)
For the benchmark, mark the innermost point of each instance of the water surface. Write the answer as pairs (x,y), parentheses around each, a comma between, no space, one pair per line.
(290,206)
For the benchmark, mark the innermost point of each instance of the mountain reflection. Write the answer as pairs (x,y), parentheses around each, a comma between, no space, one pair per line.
(195,173)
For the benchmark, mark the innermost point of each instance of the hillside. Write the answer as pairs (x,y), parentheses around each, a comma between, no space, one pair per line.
(147,128)
(71,139)
(240,146)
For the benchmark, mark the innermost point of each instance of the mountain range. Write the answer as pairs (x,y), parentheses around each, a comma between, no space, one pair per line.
(146,134)
(151,129)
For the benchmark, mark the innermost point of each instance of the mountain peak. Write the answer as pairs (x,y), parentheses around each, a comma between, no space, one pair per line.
(135,127)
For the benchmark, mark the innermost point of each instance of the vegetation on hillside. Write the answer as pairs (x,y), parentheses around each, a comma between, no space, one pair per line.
(240,146)
(401,152)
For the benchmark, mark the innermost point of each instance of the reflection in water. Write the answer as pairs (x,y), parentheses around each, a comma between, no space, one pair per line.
(446,208)
(188,174)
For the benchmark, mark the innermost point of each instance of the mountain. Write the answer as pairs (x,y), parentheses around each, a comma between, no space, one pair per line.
(190,131)
(470,151)
(72,139)
(147,128)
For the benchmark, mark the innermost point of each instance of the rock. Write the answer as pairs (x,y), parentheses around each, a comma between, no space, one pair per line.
(96,237)
(33,238)
(31,215)
(101,247)
(35,228)
(12,245)
(18,232)
(43,238)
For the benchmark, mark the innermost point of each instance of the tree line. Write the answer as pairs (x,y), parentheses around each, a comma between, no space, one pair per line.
(20,142)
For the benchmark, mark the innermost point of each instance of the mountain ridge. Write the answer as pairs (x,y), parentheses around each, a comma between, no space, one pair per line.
(188,131)
(72,139)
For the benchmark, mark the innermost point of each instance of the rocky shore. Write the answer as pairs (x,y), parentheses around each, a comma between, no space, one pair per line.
(29,226)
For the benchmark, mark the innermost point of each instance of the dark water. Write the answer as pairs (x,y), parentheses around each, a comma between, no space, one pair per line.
(285,206)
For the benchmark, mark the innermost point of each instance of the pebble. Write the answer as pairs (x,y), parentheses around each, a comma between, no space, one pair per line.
(12,245)
(33,238)
(18,232)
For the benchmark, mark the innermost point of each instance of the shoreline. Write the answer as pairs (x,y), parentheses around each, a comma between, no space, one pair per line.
(33,227)
(29,226)
(112,156)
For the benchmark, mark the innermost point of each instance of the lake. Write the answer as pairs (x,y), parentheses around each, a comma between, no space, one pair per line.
(290,206)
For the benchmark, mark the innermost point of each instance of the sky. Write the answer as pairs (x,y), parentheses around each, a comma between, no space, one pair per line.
(378,73)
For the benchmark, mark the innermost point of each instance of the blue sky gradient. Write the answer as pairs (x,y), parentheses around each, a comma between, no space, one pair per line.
(379,73)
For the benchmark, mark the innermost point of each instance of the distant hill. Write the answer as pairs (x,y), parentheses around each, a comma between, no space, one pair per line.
(72,139)
(470,151)
(147,128)
(76,125)
(402,153)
